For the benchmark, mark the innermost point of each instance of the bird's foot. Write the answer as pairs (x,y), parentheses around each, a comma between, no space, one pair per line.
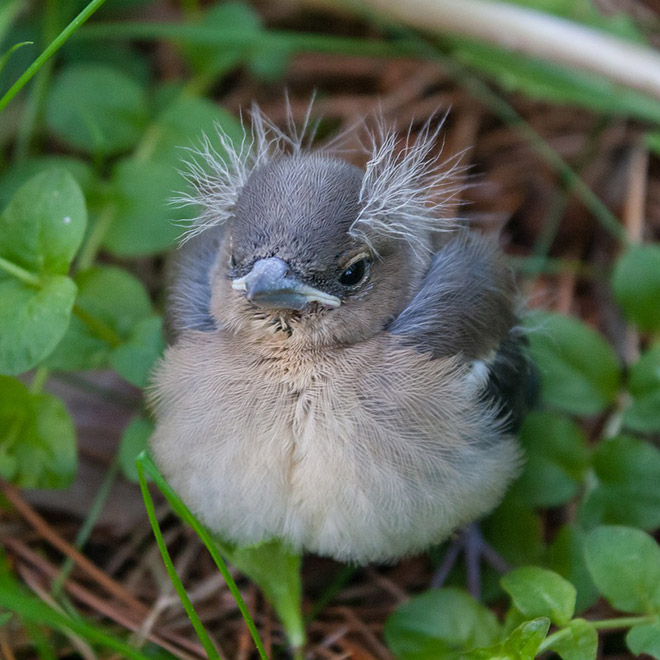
(476,549)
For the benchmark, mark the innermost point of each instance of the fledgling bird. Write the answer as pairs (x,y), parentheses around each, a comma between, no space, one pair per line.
(336,380)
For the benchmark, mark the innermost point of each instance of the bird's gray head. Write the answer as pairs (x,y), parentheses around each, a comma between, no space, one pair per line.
(314,249)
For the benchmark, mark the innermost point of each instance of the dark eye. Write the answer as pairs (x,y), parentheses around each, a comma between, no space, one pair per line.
(355,272)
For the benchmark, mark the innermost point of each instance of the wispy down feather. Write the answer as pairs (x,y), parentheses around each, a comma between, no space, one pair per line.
(404,189)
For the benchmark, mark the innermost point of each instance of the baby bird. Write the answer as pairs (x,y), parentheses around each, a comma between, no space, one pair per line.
(346,373)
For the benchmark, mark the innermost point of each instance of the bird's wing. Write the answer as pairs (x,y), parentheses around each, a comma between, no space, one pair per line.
(466,306)
(189,279)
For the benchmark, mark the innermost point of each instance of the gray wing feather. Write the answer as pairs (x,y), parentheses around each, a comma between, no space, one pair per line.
(465,303)
(190,284)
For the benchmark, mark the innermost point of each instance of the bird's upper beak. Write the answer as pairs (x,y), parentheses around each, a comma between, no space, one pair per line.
(271,284)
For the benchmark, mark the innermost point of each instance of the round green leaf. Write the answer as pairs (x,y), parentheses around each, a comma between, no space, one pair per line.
(557,456)
(645,373)
(39,435)
(645,639)
(145,220)
(96,109)
(579,370)
(111,302)
(643,414)
(627,490)
(15,176)
(182,123)
(566,557)
(135,359)
(514,529)
(636,282)
(32,321)
(538,592)
(218,59)
(113,296)
(440,624)
(522,644)
(42,227)
(625,565)
(578,641)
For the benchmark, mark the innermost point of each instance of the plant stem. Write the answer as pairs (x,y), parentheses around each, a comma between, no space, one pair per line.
(39,380)
(98,327)
(19,273)
(624,622)
(95,238)
(271,39)
(606,624)
(50,50)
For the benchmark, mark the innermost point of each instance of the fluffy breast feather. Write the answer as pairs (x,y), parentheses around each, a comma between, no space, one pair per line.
(364,453)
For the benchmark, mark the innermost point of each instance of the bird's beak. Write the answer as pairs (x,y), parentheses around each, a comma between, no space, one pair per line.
(271,284)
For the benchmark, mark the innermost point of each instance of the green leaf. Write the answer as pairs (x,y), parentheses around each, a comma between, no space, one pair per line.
(577,641)
(113,296)
(566,557)
(218,60)
(134,359)
(111,302)
(42,227)
(636,283)
(643,415)
(522,644)
(134,441)
(18,174)
(276,569)
(645,638)
(627,490)
(440,624)
(32,321)
(625,565)
(181,125)
(515,531)
(556,459)
(579,370)
(96,109)
(144,222)
(38,435)
(538,592)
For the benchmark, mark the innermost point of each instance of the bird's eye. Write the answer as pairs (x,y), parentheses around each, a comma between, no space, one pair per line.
(355,273)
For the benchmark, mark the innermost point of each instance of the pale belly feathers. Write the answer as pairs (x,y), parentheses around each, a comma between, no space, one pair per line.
(361,454)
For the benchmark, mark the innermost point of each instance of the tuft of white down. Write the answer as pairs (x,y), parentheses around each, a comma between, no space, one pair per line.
(404,189)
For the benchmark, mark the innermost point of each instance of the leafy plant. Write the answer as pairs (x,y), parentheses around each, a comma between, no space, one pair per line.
(116,137)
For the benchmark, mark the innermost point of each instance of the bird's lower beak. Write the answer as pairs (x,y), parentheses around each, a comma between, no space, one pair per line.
(271,284)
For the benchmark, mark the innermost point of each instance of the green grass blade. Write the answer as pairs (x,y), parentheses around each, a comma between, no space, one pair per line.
(171,571)
(31,610)
(144,463)
(50,50)
(4,59)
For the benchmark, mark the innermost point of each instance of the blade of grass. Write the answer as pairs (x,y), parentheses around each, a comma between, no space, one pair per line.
(5,58)
(146,465)
(31,610)
(52,48)
(171,571)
